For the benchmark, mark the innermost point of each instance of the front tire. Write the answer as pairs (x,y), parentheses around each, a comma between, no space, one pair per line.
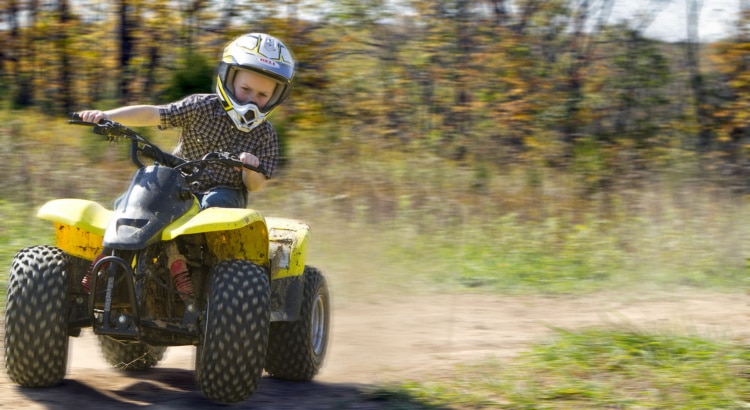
(296,350)
(234,335)
(36,317)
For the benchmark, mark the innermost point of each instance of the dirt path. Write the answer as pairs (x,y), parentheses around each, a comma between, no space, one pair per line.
(377,342)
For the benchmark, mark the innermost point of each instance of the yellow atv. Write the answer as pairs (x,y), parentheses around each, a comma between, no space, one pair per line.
(248,302)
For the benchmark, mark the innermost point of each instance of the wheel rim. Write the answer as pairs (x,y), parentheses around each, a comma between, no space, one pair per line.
(318,324)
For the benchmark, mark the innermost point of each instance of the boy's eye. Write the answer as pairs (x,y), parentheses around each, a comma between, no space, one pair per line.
(248,90)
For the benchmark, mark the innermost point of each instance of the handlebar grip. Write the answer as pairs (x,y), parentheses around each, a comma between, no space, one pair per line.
(76,119)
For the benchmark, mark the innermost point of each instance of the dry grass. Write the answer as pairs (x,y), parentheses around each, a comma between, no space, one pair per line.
(381,217)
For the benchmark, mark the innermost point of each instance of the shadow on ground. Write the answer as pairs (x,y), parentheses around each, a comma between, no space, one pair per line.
(168,388)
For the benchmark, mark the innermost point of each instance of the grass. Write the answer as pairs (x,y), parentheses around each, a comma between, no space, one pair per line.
(559,257)
(556,256)
(618,367)
(509,255)
(448,226)
(18,230)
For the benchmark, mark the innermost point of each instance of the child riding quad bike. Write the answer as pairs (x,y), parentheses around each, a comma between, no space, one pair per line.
(248,303)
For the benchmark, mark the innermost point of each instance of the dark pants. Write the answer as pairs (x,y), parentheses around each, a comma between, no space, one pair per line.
(224,198)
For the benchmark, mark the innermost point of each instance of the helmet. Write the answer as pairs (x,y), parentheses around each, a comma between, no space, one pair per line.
(263,54)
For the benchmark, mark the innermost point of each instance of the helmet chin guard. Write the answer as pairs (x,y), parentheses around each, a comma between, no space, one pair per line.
(245,116)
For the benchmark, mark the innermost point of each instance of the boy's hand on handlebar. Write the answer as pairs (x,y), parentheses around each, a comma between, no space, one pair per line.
(251,163)
(93,116)
(249,159)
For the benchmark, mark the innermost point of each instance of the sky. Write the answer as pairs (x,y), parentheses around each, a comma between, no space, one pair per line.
(717,18)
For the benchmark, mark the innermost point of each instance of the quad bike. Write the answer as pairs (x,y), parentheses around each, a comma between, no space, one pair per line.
(248,302)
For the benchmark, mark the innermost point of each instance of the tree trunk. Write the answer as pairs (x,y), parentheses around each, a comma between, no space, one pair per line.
(702,116)
(126,29)
(65,69)
(21,53)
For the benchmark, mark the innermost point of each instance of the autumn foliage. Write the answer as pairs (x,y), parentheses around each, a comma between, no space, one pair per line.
(494,84)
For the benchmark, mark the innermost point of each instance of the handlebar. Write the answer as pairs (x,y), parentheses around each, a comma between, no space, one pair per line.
(114,131)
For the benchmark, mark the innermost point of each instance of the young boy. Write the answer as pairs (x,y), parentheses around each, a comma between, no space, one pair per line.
(254,77)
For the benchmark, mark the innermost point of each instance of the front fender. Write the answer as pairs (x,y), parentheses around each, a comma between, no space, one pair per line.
(231,233)
(79,225)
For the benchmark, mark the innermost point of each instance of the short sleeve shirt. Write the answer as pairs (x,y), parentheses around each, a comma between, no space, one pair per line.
(205,127)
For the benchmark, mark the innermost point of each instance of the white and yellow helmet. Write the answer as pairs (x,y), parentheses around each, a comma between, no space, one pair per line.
(263,54)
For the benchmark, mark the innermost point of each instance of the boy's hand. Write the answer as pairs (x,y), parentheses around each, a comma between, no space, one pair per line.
(249,159)
(93,116)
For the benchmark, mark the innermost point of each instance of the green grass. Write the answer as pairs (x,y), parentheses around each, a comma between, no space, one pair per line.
(554,256)
(19,229)
(594,368)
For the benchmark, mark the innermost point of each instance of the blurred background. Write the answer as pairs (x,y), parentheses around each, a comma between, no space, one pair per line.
(485,146)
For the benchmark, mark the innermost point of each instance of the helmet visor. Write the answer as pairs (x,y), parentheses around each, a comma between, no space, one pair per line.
(268,86)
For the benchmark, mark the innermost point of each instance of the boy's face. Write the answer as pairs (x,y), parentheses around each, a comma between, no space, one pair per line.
(250,86)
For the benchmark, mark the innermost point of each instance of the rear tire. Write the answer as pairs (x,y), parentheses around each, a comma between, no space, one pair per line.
(296,350)
(234,333)
(130,356)
(36,317)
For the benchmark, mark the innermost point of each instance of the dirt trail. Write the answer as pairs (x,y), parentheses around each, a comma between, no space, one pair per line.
(397,340)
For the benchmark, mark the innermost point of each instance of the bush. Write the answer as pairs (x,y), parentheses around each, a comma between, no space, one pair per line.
(194,76)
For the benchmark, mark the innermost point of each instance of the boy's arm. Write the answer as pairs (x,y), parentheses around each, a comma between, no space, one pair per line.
(254,181)
(131,116)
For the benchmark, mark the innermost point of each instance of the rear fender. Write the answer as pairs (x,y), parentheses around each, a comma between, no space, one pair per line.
(288,246)
(79,225)
(231,233)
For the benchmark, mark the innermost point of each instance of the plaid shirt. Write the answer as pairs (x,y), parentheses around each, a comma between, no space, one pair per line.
(207,128)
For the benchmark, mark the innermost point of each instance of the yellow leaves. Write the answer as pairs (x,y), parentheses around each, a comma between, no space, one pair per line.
(732,60)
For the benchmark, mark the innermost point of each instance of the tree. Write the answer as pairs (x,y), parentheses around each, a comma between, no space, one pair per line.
(66,76)
(697,80)
(21,51)
(730,109)
(127,25)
